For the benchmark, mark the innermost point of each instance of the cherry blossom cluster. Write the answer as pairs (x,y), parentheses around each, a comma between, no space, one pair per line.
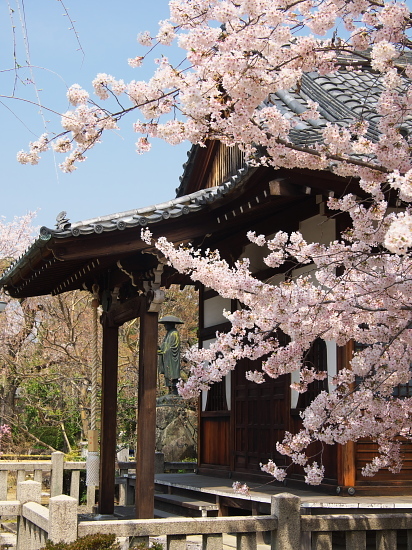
(15,236)
(357,289)
(4,431)
(36,147)
(237,55)
(241,488)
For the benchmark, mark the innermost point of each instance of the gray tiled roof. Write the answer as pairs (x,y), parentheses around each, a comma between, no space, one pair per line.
(180,206)
(119,221)
(343,97)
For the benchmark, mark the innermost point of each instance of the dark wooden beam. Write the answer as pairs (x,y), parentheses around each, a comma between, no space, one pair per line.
(283,188)
(146,419)
(126,311)
(120,243)
(108,419)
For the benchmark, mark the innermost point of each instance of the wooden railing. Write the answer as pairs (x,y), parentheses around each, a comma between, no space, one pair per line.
(179,467)
(126,491)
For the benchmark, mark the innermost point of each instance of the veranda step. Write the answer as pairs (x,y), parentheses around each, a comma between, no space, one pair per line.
(186,502)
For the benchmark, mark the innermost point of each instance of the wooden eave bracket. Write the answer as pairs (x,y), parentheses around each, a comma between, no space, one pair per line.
(282,187)
(155,300)
(152,299)
(155,295)
(121,313)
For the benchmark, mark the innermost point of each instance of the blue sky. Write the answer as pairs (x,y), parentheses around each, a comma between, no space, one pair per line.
(114,178)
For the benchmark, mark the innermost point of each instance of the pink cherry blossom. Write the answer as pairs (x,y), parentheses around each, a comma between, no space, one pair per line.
(239,58)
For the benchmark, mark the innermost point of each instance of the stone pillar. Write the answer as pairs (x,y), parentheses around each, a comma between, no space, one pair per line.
(246,541)
(212,541)
(4,474)
(62,519)
(159,463)
(287,509)
(75,484)
(27,491)
(21,476)
(91,498)
(57,460)
(38,476)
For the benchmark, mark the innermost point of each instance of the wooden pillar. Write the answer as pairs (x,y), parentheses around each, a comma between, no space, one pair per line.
(146,420)
(346,453)
(108,418)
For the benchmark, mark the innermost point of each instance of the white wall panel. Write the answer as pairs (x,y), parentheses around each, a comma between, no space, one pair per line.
(228,382)
(318,229)
(213,311)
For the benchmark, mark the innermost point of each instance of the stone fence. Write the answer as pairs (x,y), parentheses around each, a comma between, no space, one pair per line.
(48,473)
(289,530)
(52,472)
(289,527)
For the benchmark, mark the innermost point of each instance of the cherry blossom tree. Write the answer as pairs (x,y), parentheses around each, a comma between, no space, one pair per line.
(237,53)
(40,341)
(15,237)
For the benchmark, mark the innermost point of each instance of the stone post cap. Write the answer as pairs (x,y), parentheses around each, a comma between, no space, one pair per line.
(28,491)
(63,498)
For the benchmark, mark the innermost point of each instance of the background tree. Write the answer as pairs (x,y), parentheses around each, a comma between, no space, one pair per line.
(46,359)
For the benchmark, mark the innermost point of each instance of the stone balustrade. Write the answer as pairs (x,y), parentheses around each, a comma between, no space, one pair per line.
(54,470)
(41,471)
(289,529)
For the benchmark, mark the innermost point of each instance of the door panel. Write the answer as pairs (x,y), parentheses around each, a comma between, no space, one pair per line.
(261,415)
(214,446)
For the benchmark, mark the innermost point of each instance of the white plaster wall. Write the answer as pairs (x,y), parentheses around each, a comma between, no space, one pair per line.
(228,383)
(331,358)
(331,354)
(294,395)
(315,229)
(318,229)
(213,311)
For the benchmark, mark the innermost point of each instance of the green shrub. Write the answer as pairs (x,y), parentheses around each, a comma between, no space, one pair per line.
(97,542)
(89,542)
(143,546)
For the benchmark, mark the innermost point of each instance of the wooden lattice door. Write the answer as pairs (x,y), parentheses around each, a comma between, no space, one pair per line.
(261,416)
